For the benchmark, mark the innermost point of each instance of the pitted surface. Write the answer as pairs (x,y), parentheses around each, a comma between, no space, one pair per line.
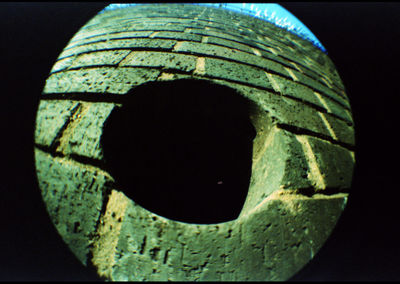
(303,153)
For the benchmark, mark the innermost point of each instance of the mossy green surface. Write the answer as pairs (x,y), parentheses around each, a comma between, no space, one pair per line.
(304,144)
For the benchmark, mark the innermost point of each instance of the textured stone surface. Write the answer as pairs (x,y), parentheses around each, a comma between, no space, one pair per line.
(228,43)
(278,162)
(334,162)
(303,151)
(98,80)
(177,35)
(119,44)
(51,118)
(265,243)
(222,69)
(228,53)
(74,195)
(99,58)
(82,135)
(108,36)
(182,62)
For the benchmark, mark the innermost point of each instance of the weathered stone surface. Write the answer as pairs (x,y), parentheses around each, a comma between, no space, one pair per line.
(288,87)
(178,36)
(267,242)
(303,145)
(321,88)
(278,162)
(228,43)
(222,69)
(51,117)
(343,131)
(285,110)
(107,36)
(156,26)
(82,136)
(217,34)
(99,80)
(62,64)
(335,163)
(99,58)
(127,26)
(57,83)
(73,194)
(163,60)
(120,44)
(335,108)
(228,53)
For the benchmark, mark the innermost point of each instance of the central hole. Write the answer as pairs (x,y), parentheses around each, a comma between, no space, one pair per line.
(182,149)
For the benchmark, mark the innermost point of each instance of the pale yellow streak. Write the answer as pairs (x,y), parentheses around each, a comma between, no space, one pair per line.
(178,46)
(153,34)
(322,101)
(290,199)
(200,66)
(297,67)
(328,126)
(128,59)
(348,112)
(66,135)
(291,74)
(327,78)
(165,77)
(286,196)
(273,51)
(326,82)
(353,156)
(267,143)
(273,82)
(256,52)
(104,248)
(315,174)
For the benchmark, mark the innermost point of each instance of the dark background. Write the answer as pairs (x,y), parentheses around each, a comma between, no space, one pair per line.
(362,40)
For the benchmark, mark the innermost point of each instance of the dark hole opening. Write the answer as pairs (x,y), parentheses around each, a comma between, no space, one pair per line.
(182,149)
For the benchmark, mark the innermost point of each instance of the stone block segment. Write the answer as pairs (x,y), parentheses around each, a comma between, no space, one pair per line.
(335,163)
(62,64)
(223,69)
(178,36)
(186,63)
(343,131)
(99,58)
(68,188)
(136,43)
(99,80)
(51,118)
(229,54)
(108,36)
(82,136)
(278,162)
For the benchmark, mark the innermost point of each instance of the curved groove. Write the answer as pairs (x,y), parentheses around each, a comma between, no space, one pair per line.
(209,56)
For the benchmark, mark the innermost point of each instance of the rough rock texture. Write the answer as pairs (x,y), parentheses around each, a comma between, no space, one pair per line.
(303,153)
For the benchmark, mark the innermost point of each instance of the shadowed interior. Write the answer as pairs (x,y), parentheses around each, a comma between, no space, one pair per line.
(182,149)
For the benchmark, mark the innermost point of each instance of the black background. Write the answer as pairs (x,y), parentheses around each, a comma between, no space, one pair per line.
(362,40)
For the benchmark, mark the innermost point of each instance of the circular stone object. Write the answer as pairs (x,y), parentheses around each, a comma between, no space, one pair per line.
(302,151)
